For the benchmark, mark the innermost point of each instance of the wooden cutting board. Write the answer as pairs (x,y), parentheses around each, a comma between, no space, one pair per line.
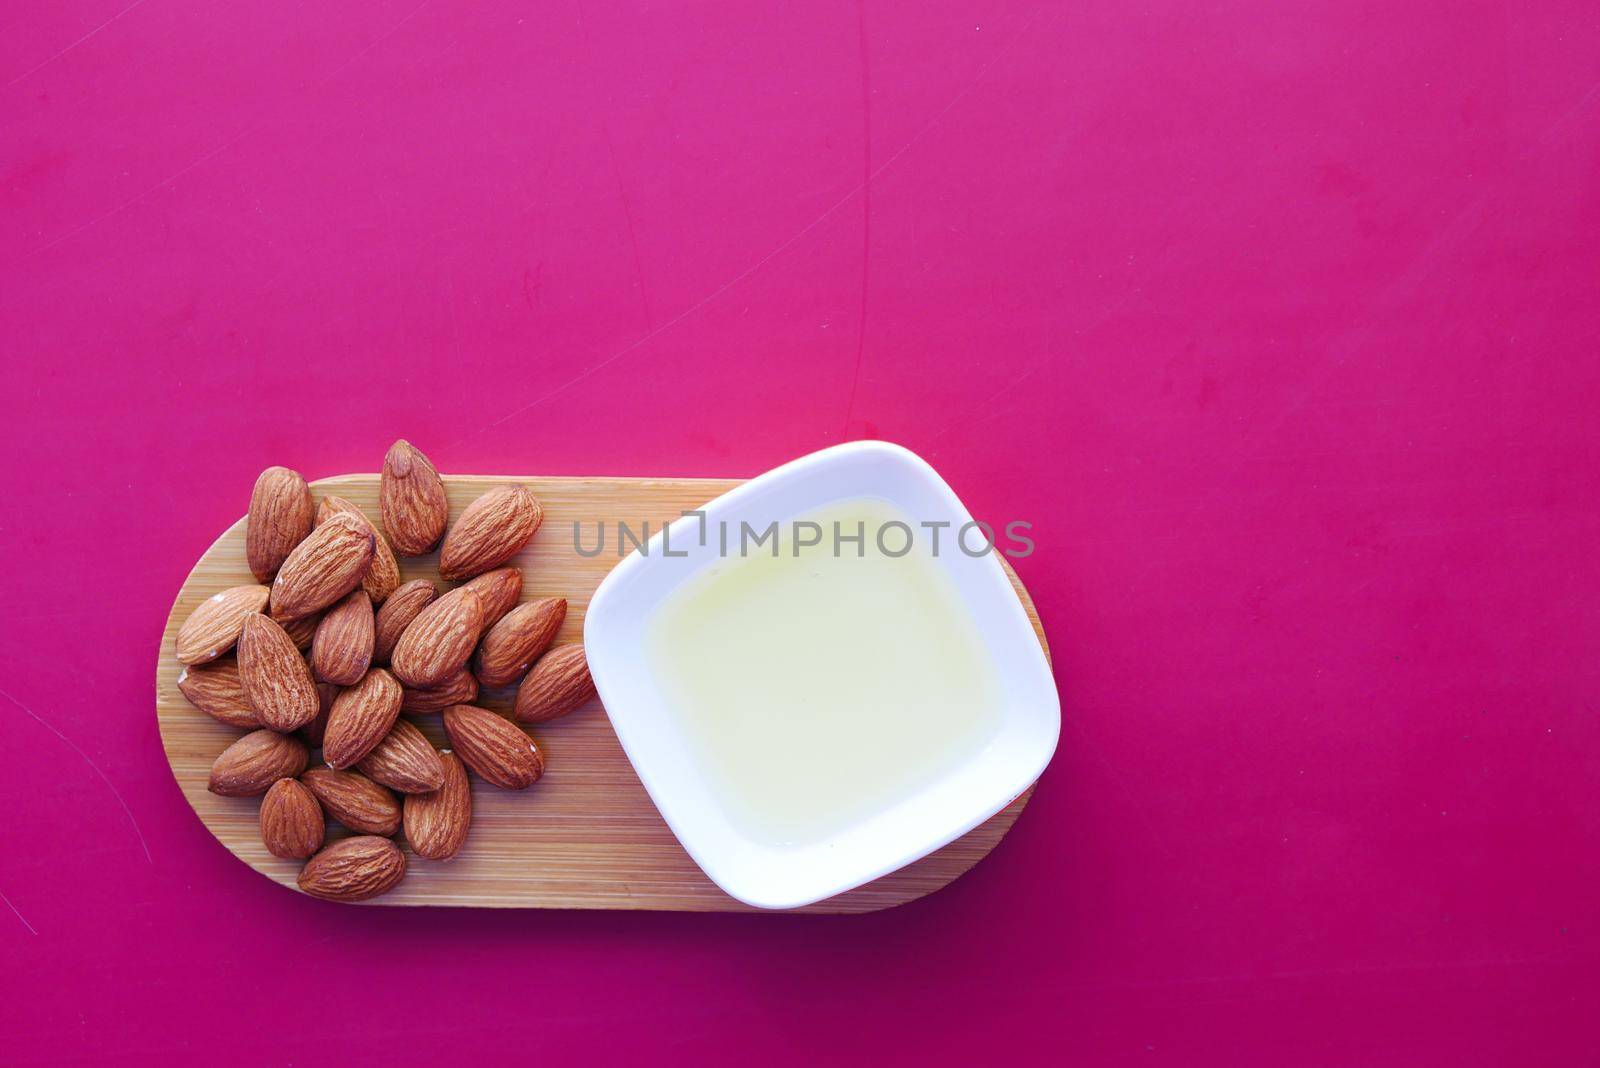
(586,835)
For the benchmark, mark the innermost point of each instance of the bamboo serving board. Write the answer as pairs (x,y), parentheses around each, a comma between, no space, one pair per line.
(586,835)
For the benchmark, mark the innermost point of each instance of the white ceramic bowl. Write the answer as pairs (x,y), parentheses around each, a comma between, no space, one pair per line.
(907,827)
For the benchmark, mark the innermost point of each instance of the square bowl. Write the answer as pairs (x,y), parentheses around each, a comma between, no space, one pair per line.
(921,818)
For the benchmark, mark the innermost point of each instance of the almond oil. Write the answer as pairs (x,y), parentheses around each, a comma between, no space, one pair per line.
(816,680)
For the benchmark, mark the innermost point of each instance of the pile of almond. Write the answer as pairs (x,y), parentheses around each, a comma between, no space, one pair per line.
(332,654)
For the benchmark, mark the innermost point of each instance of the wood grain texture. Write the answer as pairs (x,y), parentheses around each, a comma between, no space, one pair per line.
(585,836)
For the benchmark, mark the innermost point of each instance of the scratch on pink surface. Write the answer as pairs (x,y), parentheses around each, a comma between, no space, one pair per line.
(249,129)
(1105,316)
(633,238)
(18,914)
(1461,226)
(783,247)
(97,770)
(35,70)
(866,209)
(622,192)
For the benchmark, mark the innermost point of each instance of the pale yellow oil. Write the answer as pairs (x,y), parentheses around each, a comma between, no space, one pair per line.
(816,688)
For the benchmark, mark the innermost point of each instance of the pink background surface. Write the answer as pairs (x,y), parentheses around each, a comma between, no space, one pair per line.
(1278,321)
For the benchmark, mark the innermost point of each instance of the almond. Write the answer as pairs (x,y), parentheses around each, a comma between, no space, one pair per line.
(252,764)
(491,530)
(276,680)
(215,689)
(354,800)
(403,606)
(436,824)
(440,640)
(213,627)
(354,869)
(323,568)
(291,821)
(303,631)
(312,733)
(360,718)
(559,683)
(412,501)
(514,643)
(342,649)
(499,590)
(383,574)
(404,761)
(493,747)
(458,689)
(280,518)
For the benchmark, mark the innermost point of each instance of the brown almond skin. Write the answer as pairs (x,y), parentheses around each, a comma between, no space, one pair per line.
(383,574)
(491,530)
(312,732)
(213,627)
(513,644)
(493,747)
(412,500)
(437,823)
(440,640)
(341,652)
(499,590)
(398,612)
(559,683)
(360,718)
(303,631)
(323,568)
(459,689)
(280,518)
(354,800)
(250,766)
(291,821)
(404,761)
(276,680)
(354,869)
(215,689)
